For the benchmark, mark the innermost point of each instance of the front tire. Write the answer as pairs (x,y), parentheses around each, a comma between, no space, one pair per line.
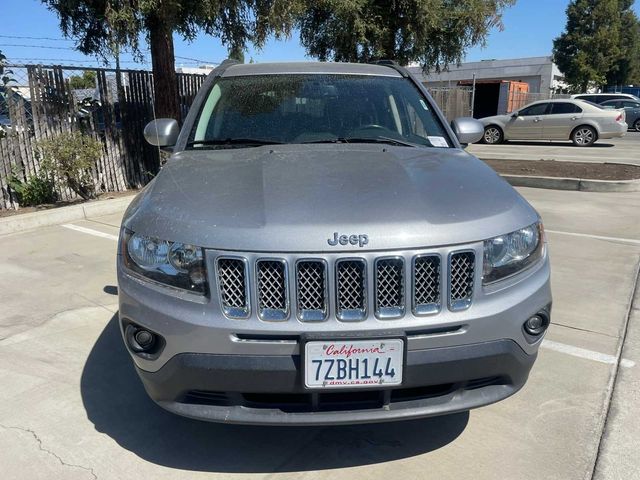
(636,125)
(493,135)
(584,136)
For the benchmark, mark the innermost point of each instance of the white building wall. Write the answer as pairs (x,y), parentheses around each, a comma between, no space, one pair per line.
(538,72)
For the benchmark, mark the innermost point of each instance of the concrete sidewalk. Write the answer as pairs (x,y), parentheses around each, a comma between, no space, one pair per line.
(72,407)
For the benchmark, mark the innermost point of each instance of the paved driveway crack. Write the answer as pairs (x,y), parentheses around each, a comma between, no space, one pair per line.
(42,448)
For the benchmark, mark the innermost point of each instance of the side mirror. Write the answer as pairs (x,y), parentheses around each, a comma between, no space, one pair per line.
(514,115)
(467,129)
(162,132)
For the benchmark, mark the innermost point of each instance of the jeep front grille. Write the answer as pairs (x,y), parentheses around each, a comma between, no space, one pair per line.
(311,290)
(232,284)
(345,288)
(389,287)
(351,288)
(272,290)
(461,273)
(426,284)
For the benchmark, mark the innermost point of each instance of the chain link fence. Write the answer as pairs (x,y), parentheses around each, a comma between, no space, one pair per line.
(453,101)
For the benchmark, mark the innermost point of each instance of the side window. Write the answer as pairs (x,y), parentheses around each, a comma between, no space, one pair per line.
(588,98)
(560,108)
(630,104)
(537,109)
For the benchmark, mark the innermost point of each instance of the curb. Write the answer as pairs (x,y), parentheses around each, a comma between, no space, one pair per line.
(55,216)
(576,184)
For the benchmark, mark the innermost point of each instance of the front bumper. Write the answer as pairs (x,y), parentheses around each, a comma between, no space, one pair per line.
(269,389)
(248,371)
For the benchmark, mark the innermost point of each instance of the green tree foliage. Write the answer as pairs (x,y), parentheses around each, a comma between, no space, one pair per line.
(86,80)
(626,67)
(597,44)
(71,158)
(432,32)
(100,27)
(236,53)
(39,189)
(5,80)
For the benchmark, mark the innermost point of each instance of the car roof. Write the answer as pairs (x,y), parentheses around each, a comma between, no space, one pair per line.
(336,68)
(620,99)
(575,101)
(557,100)
(629,95)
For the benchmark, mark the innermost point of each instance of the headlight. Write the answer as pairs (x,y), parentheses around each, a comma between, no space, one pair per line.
(508,254)
(176,264)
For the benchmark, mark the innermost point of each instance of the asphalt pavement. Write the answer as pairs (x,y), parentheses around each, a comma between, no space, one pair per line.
(622,150)
(71,406)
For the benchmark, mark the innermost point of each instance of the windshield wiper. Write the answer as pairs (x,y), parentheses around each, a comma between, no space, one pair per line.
(387,140)
(233,141)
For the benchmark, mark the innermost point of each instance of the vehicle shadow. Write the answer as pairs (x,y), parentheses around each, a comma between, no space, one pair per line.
(118,406)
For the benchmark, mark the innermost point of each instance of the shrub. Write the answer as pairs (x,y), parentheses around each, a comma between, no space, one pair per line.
(38,189)
(71,157)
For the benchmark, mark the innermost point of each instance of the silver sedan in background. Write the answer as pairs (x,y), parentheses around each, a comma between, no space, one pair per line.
(563,119)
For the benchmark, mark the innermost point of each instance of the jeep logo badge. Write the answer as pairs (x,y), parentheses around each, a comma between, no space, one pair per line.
(360,240)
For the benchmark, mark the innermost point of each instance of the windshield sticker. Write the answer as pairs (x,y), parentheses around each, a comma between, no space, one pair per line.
(424,105)
(438,141)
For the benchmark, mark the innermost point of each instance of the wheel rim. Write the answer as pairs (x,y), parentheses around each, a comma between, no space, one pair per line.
(492,135)
(584,136)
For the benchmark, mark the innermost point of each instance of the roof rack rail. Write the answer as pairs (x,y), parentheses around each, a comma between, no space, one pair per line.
(392,64)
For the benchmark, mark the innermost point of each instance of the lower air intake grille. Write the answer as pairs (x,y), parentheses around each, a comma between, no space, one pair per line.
(426,284)
(351,290)
(311,287)
(461,273)
(232,283)
(272,290)
(390,287)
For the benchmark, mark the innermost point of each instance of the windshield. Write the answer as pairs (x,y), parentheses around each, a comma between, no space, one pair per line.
(316,108)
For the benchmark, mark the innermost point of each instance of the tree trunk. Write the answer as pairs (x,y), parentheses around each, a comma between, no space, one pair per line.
(165,82)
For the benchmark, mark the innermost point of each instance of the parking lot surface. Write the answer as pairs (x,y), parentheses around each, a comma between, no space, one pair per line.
(621,150)
(72,407)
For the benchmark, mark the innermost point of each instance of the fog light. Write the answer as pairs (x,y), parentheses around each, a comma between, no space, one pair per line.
(145,339)
(139,339)
(536,324)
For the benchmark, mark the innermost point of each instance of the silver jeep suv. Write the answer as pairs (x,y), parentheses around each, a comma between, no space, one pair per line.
(319,249)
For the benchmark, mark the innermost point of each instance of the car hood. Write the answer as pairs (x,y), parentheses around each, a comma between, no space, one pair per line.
(294,198)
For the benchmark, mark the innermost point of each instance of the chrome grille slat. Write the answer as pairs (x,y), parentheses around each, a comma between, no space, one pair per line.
(311,290)
(461,274)
(232,285)
(351,289)
(272,289)
(423,282)
(426,284)
(389,287)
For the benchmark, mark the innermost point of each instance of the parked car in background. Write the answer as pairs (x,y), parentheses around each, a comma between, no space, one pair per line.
(564,119)
(5,125)
(604,97)
(631,109)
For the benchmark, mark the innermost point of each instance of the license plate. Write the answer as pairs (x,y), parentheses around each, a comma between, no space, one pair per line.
(349,364)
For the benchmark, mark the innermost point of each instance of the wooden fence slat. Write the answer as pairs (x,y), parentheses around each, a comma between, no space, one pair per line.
(127,160)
